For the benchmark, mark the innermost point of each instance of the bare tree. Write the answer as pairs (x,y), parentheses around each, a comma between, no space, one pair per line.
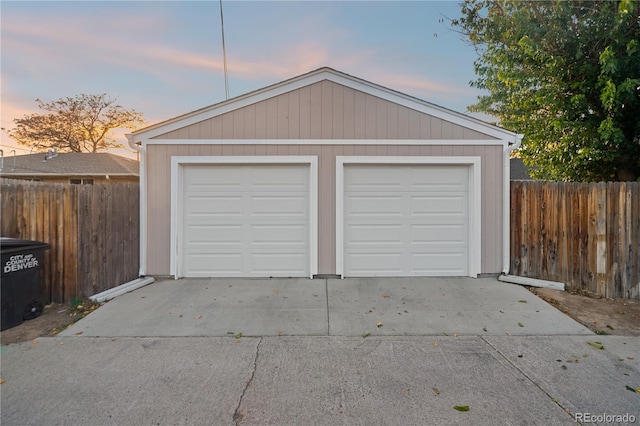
(84,123)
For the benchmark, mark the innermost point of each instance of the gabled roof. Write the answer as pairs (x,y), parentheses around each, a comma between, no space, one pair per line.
(69,164)
(312,77)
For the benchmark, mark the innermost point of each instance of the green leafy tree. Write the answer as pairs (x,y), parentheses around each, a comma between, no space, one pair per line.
(566,74)
(84,123)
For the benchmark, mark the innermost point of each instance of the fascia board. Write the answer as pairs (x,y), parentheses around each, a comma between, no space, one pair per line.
(54,175)
(446,142)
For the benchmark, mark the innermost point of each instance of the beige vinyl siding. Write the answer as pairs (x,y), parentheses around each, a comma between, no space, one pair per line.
(159,191)
(325,110)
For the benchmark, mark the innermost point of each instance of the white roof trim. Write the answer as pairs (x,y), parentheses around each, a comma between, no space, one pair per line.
(444,142)
(314,77)
(65,175)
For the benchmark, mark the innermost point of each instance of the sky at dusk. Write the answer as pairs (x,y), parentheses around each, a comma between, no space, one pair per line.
(165,58)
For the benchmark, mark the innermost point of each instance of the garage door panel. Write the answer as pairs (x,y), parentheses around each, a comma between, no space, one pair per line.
(261,229)
(439,178)
(380,204)
(444,264)
(279,205)
(279,177)
(205,206)
(375,264)
(213,264)
(430,204)
(278,235)
(373,234)
(213,235)
(279,263)
(386,179)
(437,234)
(204,178)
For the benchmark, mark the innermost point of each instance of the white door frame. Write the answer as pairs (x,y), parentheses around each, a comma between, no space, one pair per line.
(177,170)
(475,206)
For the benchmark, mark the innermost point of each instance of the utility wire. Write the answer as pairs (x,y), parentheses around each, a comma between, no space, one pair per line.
(224,55)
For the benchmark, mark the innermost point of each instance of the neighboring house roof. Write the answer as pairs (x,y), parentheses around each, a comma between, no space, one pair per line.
(325,73)
(518,170)
(69,164)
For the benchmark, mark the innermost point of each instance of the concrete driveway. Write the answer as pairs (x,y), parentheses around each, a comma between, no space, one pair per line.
(327,307)
(302,358)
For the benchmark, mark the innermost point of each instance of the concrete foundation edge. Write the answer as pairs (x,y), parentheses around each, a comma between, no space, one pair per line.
(534,282)
(121,289)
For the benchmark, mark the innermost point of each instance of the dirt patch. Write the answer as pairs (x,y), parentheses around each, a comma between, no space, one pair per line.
(620,317)
(54,319)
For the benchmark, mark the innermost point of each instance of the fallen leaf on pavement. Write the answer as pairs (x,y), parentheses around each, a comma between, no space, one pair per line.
(436,391)
(461,407)
(1,382)
(632,389)
(35,342)
(78,333)
(379,324)
(366,334)
(596,345)
(435,344)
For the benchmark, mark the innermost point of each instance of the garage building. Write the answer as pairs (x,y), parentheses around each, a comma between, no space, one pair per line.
(324,174)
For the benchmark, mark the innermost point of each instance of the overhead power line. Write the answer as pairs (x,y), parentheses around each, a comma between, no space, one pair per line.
(224,55)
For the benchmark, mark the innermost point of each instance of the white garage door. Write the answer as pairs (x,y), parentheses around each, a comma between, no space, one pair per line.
(406,220)
(245,221)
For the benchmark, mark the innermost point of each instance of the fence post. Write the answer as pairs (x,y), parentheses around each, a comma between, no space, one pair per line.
(601,239)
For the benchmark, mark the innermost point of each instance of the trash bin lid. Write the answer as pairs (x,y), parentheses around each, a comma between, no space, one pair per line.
(8,245)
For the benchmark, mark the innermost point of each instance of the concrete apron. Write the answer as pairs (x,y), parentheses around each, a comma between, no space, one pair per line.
(327,307)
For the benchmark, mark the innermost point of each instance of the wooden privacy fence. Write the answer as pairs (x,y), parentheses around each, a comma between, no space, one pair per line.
(586,235)
(93,231)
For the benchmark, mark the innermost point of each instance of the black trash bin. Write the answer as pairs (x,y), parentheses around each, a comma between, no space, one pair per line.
(21,292)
